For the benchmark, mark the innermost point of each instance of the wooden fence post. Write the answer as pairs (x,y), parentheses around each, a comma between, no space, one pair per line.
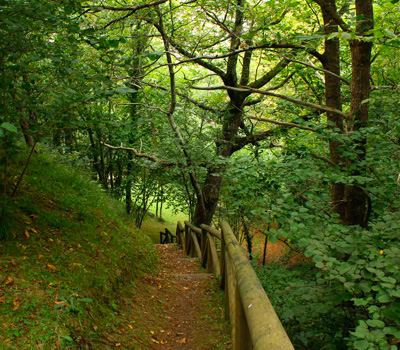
(229,292)
(187,240)
(241,337)
(223,264)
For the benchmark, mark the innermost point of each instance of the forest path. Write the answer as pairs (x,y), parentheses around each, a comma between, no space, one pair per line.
(181,307)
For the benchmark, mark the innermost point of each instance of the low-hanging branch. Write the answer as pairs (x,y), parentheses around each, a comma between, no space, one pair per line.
(139,154)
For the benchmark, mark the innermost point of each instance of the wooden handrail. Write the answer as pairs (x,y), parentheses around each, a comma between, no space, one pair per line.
(254,322)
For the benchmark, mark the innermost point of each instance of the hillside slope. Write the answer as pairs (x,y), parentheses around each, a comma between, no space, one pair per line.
(68,262)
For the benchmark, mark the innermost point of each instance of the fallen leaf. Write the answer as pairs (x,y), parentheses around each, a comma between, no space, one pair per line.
(130,326)
(32,229)
(16,304)
(95,328)
(155,341)
(9,280)
(182,341)
(52,267)
(118,344)
(2,301)
(26,234)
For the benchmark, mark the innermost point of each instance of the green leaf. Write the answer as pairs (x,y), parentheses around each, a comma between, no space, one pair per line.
(8,126)
(360,302)
(376,323)
(68,338)
(361,344)
(346,36)
(86,300)
(125,90)
(384,298)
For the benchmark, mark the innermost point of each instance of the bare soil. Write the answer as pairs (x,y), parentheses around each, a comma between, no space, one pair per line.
(180,309)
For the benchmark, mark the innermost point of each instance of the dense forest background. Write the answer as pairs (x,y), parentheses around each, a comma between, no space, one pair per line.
(256,111)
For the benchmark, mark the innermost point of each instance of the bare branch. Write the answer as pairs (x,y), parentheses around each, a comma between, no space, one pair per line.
(139,154)
(253,139)
(388,87)
(119,19)
(127,8)
(333,14)
(266,78)
(320,69)
(278,86)
(326,160)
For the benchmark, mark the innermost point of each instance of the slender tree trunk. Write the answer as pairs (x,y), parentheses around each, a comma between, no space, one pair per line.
(69,139)
(128,186)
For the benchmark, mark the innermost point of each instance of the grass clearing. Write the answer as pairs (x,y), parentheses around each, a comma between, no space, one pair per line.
(152,225)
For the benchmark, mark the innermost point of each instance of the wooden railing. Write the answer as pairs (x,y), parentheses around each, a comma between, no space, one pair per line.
(254,322)
(166,237)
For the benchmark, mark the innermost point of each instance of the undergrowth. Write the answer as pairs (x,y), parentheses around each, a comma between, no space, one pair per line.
(69,259)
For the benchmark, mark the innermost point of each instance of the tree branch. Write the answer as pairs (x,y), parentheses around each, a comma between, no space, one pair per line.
(326,160)
(290,125)
(283,97)
(320,69)
(333,14)
(253,139)
(127,8)
(139,154)
(266,78)
(185,96)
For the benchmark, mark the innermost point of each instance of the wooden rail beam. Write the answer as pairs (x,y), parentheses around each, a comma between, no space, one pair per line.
(267,332)
(254,323)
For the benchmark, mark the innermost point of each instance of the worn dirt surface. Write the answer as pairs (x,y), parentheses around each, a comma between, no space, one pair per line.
(180,308)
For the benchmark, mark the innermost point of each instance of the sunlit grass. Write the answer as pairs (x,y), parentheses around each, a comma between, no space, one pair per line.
(152,226)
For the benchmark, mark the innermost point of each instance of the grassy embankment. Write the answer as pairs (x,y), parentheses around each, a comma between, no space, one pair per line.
(69,264)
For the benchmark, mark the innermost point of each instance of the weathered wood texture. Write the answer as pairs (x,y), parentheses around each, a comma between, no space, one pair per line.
(254,322)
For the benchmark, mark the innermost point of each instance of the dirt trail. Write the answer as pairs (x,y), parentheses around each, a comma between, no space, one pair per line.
(186,313)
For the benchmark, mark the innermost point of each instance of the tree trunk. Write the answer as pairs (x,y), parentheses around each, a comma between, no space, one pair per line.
(358,205)
(128,186)
(331,62)
(350,202)
(233,119)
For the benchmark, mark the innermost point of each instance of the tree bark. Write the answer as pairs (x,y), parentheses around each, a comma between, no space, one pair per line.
(333,97)
(358,205)
(350,202)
